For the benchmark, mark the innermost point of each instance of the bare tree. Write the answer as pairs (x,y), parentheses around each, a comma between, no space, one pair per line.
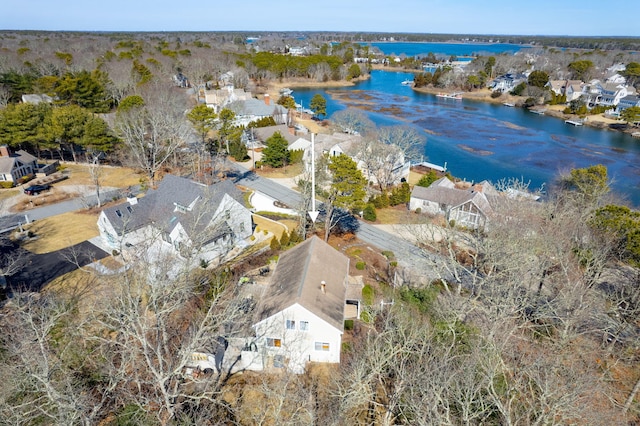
(154,132)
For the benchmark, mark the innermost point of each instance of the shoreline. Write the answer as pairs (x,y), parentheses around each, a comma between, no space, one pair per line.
(598,121)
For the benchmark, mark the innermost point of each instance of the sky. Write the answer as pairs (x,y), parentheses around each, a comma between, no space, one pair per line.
(502,17)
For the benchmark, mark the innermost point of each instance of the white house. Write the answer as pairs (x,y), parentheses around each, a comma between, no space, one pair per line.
(14,165)
(181,218)
(300,318)
(467,207)
(252,109)
(219,99)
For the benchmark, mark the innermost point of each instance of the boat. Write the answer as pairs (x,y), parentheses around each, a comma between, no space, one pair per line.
(454,95)
(537,111)
(574,122)
(407,82)
(286,91)
(509,104)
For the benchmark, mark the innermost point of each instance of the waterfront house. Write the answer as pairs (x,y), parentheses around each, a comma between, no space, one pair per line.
(466,206)
(221,98)
(252,109)
(181,219)
(300,317)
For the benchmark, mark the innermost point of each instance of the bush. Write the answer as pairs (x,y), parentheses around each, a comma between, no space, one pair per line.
(369,213)
(418,210)
(360,266)
(275,244)
(368,294)
(284,239)
(348,324)
(6,184)
(388,254)
(496,94)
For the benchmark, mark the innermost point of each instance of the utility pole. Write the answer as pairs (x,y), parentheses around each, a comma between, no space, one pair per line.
(313,214)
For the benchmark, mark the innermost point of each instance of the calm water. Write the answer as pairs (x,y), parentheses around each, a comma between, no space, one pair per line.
(446,49)
(481,141)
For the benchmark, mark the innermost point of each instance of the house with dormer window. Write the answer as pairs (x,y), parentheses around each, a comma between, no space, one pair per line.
(182,218)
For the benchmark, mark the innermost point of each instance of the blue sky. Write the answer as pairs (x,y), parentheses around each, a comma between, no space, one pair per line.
(533,17)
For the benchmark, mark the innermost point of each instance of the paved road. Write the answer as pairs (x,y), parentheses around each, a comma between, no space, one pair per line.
(408,255)
(11,221)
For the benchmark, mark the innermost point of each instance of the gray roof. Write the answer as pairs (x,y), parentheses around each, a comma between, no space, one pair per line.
(158,207)
(257,108)
(7,164)
(298,277)
(443,191)
(264,133)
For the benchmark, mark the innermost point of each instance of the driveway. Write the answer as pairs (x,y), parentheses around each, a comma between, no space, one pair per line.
(41,269)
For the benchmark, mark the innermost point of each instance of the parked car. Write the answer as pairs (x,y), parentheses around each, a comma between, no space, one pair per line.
(36,189)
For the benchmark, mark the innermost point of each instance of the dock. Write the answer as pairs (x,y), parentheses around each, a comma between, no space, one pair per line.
(574,122)
(635,134)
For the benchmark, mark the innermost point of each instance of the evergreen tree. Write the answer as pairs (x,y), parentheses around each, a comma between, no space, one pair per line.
(276,153)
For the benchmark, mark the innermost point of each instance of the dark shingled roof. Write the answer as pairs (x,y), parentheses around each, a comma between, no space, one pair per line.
(298,279)
(158,206)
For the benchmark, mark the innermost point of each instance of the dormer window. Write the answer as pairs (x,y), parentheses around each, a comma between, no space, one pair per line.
(118,213)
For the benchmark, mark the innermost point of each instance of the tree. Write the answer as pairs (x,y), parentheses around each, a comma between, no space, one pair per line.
(538,78)
(581,69)
(589,184)
(276,153)
(623,224)
(632,73)
(287,102)
(352,121)
(353,72)
(346,192)
(318,105)
(203,120)
(631,115)
(67,125)
(153,132)
(428,179)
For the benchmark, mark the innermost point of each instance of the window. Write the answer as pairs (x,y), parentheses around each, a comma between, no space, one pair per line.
(227,214)
(322,346)
(241,226)
(304,325)
(274,343)
(291,325)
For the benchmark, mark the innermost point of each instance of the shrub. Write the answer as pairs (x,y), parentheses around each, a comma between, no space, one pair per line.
(6,184)
(348,324)
(368,294)
(203,264)
(360,265)
(496,94)
(369,213)
(114,252)
(275,244)
(284,239)
(418,210)
(388,254)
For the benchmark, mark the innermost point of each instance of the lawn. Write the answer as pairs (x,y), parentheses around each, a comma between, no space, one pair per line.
(119,177)
(61,231)
(276,228)
(289,171)
(397,215)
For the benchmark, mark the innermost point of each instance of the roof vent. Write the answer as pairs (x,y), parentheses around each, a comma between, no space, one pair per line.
(323,287)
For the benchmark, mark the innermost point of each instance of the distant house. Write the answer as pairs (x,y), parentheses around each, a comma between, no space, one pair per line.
(566,88)
(628,102)
(294,141)
(507,82)
(14,166)
(220,99)
(468,207)
(182,219)
(300,318)
(254,109)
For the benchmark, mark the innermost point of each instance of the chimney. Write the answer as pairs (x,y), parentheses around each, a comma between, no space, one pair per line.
(5,151)
(267,99)
(323,287)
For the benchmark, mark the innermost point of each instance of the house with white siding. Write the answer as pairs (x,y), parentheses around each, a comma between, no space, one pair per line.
(181,219)
(468,207)
(300,317)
